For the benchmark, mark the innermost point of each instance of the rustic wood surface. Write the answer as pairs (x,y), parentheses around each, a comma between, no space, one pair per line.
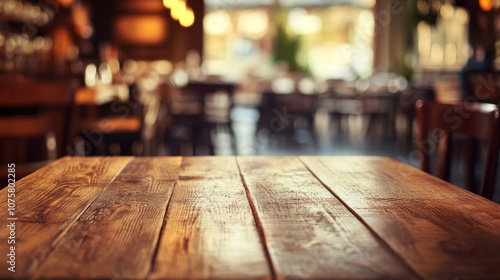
(248,218)
(210,231)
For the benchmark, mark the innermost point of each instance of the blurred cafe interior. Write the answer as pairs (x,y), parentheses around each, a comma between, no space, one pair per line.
(250,77)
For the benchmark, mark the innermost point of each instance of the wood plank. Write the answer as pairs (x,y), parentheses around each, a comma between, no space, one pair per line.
(442,231)
(49,201)
(117,236)
(308,232)
(210,231)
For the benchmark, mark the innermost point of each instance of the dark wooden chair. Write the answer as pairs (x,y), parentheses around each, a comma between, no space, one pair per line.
(34,121)
(484,87)
(381,109)
(105,116)
(378,107)
(475,120)
(291,107)
(408,101)
(198,110)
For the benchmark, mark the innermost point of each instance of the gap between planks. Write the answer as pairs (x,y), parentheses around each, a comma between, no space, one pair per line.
(372,231)
(189,180)
(65,227)
(258,223)
(163,225)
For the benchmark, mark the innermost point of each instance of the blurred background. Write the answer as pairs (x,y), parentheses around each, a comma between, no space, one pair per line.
(241,77)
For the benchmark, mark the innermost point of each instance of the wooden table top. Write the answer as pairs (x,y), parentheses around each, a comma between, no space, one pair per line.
(248,217)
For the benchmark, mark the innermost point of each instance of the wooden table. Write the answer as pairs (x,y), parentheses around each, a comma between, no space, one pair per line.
(248,217)
(209,86)
(101,94)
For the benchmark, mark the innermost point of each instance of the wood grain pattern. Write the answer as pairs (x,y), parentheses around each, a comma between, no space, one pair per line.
(442,231)
(248,218)
(117,235)
(210,231)
(49,201)
(309,233)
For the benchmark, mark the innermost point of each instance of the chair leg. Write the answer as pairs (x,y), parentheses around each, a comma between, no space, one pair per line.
(444,156)
(232,135)
(472,146)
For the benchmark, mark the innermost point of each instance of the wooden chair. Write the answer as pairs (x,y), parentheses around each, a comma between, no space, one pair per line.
(290,107)
(104,116)
(408,101)
(182,118)
(477,121)
(197,110)
(484,86)
(33,122)
(381,109)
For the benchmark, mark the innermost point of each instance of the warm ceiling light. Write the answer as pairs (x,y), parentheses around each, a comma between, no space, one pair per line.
(65,3)
(187,19)
(301,22)
(178,10)
(486,5)
(169,3)
(253,24)
(217,23)
(369,3)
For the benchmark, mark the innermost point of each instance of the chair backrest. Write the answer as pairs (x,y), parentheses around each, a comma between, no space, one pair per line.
(485,86)
(216,97)
(200,101)
(105,117)
(478,121)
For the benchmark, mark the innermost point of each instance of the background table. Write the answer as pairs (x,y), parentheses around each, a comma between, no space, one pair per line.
(248,217)
(100,95)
